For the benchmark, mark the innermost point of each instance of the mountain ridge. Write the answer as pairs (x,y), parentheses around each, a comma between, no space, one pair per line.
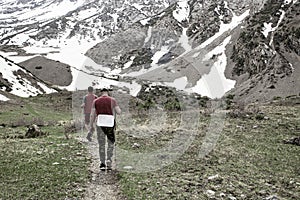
(190,44)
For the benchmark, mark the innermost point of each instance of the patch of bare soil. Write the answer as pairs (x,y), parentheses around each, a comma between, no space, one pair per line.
(53,72)
(103,185)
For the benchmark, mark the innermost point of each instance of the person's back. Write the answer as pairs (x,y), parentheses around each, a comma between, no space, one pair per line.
(102,107)
(105,105)
(87,109)
(88,102)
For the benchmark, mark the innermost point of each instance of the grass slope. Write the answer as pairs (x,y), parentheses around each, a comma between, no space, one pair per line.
(48,167)
(249,161)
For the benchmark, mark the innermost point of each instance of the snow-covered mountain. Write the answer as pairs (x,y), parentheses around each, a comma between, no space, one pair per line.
(18,81)
(205,46)
(60,22)
(63,30)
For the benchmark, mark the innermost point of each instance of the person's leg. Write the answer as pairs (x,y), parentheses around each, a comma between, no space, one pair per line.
(110,146)
(101,141)
(86,121)
(90,132)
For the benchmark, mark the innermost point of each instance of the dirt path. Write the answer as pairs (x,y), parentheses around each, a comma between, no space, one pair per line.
(102,185)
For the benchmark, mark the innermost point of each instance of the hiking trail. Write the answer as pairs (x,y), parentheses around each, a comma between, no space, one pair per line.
(103,185)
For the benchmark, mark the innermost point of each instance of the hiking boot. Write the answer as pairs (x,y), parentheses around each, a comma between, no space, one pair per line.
(89,137)
(102,167)
(108,165)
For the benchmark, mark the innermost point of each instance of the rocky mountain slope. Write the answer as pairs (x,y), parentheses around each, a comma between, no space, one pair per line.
(266,54)
(259,40)
(15,80)
(246,48)
(47,22)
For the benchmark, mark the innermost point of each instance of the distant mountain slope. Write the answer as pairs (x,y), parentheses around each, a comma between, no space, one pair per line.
(175,46)
(266,56)
(56,23)
(249,48)
(53,72)
(16,80)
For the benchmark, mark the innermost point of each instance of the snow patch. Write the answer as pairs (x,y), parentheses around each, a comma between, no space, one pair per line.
(40,14)
(129,63)
(155,58)
(236,20)
(158,55)
(115,17)
(268,27)
(3,98)
(184,41)
(137,6)
(182,11)
(83,80)
(145,21)
(215,84)
(279,22)
(20,86)
(149,34)
(179,83)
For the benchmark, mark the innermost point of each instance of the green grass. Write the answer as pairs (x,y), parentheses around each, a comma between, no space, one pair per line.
(250,161)
(42,109)
(49,167)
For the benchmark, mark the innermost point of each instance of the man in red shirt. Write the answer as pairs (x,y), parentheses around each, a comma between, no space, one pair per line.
(105,108)
(87,106)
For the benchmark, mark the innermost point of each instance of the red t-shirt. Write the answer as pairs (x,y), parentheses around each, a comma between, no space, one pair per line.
(105,105)
(88,102)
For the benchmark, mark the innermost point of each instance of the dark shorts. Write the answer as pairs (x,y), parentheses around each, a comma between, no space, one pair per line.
(87,118)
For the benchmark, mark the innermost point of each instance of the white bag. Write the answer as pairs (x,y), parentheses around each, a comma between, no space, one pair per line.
(106,120)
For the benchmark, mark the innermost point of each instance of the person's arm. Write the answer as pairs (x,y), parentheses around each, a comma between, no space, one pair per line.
(118,110)
(83,102)
(116,107)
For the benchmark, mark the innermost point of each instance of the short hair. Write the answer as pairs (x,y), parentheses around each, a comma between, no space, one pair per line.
(104,90)
(90,89)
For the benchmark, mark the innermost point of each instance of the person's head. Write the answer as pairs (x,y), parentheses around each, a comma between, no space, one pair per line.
(104,91)
(90,89)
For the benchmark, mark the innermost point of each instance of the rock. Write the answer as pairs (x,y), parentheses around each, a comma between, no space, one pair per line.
(128,167)
(210,193)
(262,192)
(271,197)
(231,197)
(34,131)
(294,141)
(222,194)
(136,145)
(213,177)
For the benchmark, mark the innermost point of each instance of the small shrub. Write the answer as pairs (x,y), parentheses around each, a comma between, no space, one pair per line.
(229,101)
(259,116)
(71,127)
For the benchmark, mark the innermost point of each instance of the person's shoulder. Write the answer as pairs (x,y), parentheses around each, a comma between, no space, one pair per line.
(112,98)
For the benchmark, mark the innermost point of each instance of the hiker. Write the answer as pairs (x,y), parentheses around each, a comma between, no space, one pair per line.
(105,108)
(87,106)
